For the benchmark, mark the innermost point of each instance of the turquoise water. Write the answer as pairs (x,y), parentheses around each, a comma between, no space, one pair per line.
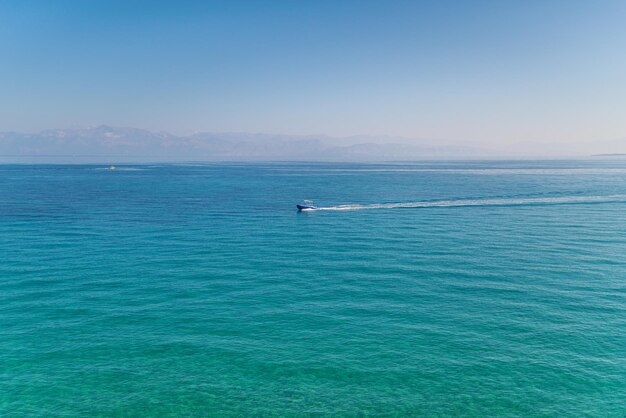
(426,289)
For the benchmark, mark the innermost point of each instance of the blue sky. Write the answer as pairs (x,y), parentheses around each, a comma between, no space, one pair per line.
(481,71)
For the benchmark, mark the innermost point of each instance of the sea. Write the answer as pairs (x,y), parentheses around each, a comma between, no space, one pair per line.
(426,289)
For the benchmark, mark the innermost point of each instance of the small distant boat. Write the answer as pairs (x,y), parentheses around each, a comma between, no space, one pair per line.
(112,167)
(306,206)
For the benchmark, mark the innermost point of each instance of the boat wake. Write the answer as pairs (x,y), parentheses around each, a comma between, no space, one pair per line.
(484,202)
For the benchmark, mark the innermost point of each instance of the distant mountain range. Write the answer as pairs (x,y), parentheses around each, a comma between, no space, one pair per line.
(114,144)
(106,144)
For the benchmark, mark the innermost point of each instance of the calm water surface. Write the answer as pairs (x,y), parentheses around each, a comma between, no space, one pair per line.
(483,288)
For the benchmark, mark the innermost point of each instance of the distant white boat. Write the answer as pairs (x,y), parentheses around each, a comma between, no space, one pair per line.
(111,168)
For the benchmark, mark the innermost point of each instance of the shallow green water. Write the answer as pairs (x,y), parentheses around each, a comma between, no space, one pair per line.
(493,289)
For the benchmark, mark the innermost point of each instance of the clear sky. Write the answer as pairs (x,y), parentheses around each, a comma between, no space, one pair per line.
(486,71)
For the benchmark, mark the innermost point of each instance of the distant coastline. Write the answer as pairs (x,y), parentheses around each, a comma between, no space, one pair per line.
(108,144)
(619,154)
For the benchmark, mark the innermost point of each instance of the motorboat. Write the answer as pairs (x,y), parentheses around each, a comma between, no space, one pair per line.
(306,205)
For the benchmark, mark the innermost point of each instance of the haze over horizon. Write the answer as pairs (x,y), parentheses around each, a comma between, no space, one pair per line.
(519,76)
(108,144)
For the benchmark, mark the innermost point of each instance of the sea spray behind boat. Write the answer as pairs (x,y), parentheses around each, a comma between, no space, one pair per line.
(475,202)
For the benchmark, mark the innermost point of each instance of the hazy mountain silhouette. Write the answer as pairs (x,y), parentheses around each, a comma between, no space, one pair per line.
(114,144)
(106,143)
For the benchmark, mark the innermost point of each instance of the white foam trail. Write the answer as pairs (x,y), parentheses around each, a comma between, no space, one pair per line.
(484,202)
(122,169)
